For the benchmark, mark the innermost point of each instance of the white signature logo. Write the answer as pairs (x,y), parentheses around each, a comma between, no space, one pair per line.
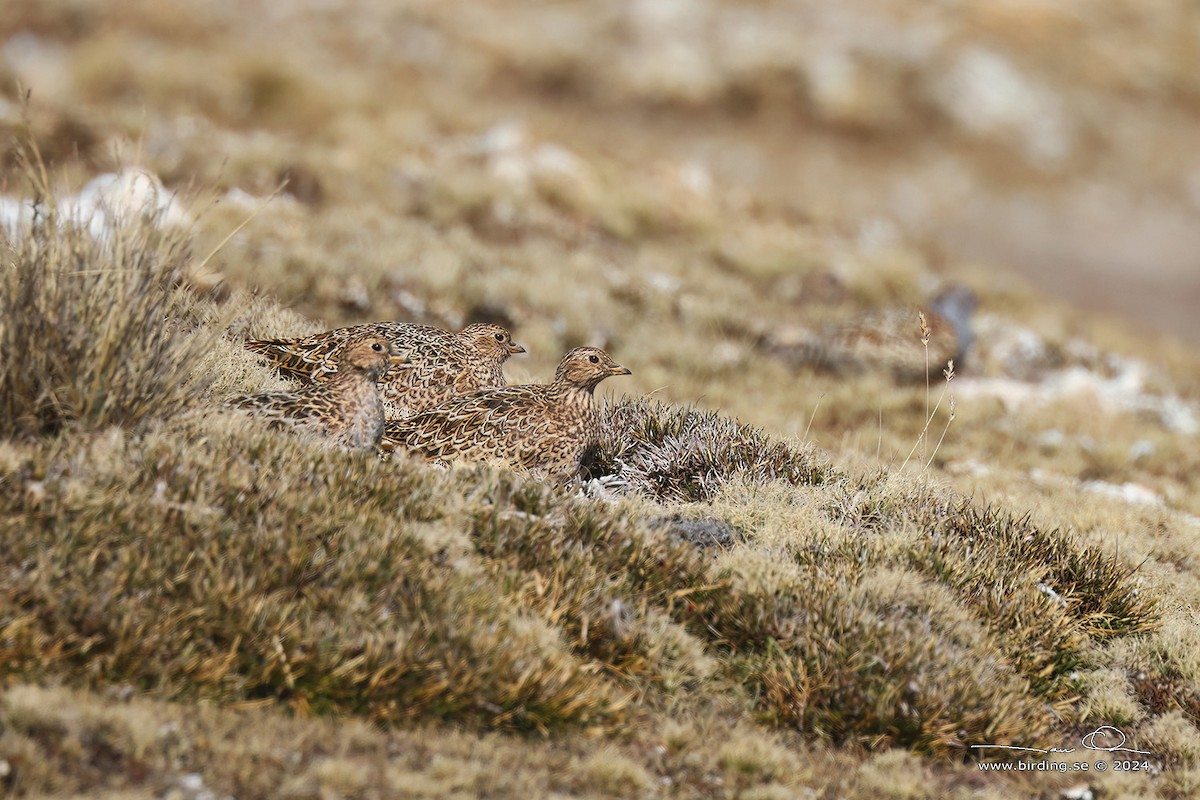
(1096,740)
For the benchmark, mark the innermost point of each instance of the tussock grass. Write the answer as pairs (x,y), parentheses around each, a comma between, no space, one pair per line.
(930,630)
(88,325)
(930,624)
(840,661)
(174,551)
(331,583)
(609,584)
(672,453)
(289,576)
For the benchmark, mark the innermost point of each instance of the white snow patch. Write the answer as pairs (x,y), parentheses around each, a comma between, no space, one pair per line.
(114,197)
(14,214)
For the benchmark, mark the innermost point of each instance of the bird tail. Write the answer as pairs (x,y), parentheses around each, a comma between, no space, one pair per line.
(391,438)
(288,356)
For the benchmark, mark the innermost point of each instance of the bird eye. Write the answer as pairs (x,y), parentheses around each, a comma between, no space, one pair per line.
(377,347)
(594,359)
(499,337)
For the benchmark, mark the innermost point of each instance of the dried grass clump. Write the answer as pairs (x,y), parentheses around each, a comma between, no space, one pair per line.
(671,453)
(290,575)
(610,773)
(1109,698)
(612,587)
(1046,597)
(864,667)
(1163,691)
(938,625)
(87,324)
(750,757)
(1173,739)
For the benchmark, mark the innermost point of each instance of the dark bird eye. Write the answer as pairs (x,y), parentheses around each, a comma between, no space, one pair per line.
(594,359)
(377,347)
(499,337)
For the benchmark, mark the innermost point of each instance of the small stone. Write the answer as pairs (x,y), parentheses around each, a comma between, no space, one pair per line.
(1052,439)
(700,533)
(1142,448)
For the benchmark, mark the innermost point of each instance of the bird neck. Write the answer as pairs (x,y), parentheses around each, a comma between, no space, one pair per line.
(570,388)
(350,376)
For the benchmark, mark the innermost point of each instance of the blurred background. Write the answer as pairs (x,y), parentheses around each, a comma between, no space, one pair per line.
(1053,138)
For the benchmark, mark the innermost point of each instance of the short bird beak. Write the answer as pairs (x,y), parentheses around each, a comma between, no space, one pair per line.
(619,370)
(513,347)
(400,360)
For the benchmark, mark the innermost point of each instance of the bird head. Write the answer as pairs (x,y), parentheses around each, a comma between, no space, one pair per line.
(585,367)
(491,339)
(373,355)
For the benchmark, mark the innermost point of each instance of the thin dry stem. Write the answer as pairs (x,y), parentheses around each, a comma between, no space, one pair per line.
(949,374)
(812,416)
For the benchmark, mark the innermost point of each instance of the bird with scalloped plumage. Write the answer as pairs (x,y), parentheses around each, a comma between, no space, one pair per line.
(346,409)
(544,428)
(442,364)
(890,341)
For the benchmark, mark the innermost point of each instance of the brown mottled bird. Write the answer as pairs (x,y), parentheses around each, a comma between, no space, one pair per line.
(345,408)
(545,428)
(443,364)
(887,341)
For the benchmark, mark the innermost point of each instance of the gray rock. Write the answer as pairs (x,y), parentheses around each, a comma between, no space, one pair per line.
(700,533)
